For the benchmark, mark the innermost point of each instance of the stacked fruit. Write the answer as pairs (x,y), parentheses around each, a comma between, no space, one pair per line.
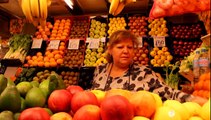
(79,28)
(138,25)
(115,24)
(186,31)
(92,55)
(158,27)
(69,77)
(142,54)
(42,75)
(97,29)
(35,60)
(160,56)
(44,33)
(202,87)
(74,58)
(61,29)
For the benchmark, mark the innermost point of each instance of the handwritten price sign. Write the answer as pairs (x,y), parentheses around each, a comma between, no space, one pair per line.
(159,41)
(140,42)
(94,44)
(37,43)
(54,44)
(73,44)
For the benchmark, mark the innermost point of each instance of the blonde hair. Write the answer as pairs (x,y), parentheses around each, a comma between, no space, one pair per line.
(119,36)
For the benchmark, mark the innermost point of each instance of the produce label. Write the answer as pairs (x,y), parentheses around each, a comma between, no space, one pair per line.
(140,42)
(54,44)
(103,39)
(73,44)
(94,43)
(159,41)
(37,43)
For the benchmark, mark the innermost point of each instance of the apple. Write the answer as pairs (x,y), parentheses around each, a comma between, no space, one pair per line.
(74,89)
(61,116)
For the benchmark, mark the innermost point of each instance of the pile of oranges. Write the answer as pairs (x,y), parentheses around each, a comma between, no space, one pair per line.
(51,58)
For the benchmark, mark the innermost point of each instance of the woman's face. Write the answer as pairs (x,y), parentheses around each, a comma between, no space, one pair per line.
(122,52)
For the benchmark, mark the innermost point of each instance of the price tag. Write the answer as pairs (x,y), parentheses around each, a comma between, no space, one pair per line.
(159,41)
(140,42)
(54,44)
(94,44)
(37,43)
(103,39)
(73,44)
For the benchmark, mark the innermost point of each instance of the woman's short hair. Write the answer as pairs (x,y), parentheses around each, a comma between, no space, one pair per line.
(119,36)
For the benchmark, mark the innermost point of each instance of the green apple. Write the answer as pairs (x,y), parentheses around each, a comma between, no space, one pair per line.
(93,25)
(103,25)
(96,36)
(92,59)
(99,55)
(94,53)
(88,51)
(96,31)
(100,50)
(87,56)
(103,29)
(91,29)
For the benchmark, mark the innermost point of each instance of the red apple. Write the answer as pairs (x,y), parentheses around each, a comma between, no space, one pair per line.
(83,98)
(88,112)
(74,89)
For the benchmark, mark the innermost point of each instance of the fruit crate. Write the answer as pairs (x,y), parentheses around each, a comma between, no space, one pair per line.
(142,52)
(115,23)
(98,27)
(86,77)
(138,24)
(80,27)
(70,76)
(162,54)
(74,58)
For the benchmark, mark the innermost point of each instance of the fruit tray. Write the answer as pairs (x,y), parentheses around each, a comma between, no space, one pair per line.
(138,24)
(86,77)
(11,62)
(74,58)
(80,27)
(187,30)
(70,76)
(34,51)
(98,27)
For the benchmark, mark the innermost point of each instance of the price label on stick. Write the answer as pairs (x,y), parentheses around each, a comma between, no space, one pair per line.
(73,44)
(37,43)
(94,44)
(54,44)
(159,41)
(140,42)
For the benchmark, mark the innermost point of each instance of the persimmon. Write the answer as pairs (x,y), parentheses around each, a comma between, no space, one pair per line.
(28,57)
(61,47)
(59,61)
(34,57)
(53,64)
(57,56)
(39,54)
(47,64)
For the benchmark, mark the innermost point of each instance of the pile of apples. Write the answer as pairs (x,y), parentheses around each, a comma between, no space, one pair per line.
(158,27)
(92,55)
(97,29)
(61,29)
(79,28)
(142,54)
(74,58)
(138,25)
(116,23)
(70,77)
(44,33)
(160,56)
(186,31)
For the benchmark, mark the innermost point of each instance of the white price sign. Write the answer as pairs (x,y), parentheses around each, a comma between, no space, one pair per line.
(159,41)
(140,42)
(54,44)
(94,44)
(37,43)
(73,44)
(103,39)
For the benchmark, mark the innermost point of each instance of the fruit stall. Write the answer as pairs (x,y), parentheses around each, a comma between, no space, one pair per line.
(48,55)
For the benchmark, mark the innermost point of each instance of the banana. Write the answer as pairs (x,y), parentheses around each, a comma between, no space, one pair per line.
(43,9)
(129,1)
(25,5)
(113,6)
(109,1)
(49,2)
(34,4)
(119,8)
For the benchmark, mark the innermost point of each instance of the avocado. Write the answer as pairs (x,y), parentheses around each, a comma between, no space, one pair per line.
(10,99)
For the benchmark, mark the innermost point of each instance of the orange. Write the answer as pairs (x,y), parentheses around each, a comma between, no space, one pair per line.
(61,52)
(34,57)
(62,44)
(57,56)
(59,61)
(40,58)
(30,62)
(46,59)
(39,54)
(47,64)
(35,63)
(55,52)
(61,47)
(40,64)
(50,55)
(53,64)
(52,60)
(47,52)
(28,57)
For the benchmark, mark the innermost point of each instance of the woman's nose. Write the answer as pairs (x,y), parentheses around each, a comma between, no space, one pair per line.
(125,50)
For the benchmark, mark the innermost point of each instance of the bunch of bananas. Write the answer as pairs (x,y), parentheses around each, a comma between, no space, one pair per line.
(118,5)
(36,11)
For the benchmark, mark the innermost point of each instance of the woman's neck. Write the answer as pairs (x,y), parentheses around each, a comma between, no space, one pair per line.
(117,71)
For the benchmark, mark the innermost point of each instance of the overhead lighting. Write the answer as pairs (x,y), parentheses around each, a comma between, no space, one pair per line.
(69,3)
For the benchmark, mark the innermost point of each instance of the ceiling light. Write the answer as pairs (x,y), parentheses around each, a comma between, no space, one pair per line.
(69,3)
